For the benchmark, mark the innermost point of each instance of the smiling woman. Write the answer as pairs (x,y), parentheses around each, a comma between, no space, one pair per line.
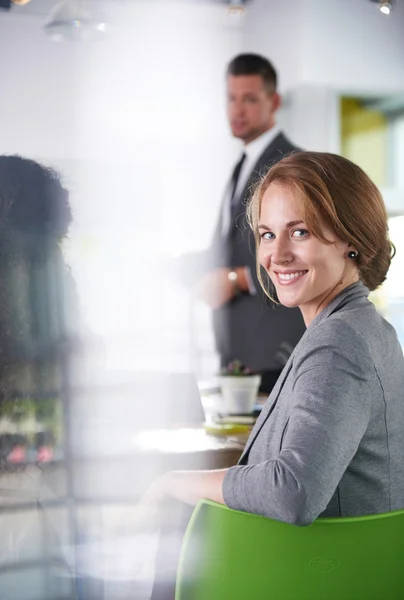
(305,271)
(311,213)
(329,441)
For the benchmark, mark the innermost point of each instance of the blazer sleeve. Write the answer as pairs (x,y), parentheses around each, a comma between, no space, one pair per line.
(334,381)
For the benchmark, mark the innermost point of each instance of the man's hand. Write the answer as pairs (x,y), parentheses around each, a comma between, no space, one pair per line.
(215,289)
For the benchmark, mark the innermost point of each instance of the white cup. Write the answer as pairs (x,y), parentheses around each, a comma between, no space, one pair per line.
(239,393)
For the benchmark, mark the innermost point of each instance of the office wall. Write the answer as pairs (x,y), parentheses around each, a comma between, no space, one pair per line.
(350,45)
(341,44)
(312,117)
(274,29)
(364,139)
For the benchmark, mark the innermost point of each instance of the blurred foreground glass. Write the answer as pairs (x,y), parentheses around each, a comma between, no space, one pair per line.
(76,20)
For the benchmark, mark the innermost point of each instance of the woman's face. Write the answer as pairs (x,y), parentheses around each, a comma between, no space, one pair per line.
(306,272)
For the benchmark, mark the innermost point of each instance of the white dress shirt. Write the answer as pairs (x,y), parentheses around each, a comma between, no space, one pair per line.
(253,151)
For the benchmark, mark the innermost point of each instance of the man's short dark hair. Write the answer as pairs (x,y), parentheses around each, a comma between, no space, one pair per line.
(254,64)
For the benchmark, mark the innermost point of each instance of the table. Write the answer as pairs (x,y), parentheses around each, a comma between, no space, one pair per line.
(117,479)
(116,475)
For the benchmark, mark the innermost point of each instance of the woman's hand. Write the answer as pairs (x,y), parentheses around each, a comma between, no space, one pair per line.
(187,486)
(155,495)
(146,515)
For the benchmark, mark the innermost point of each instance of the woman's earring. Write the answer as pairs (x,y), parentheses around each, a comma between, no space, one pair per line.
(352,254)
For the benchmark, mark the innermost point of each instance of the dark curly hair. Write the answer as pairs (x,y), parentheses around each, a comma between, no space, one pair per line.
(32,199)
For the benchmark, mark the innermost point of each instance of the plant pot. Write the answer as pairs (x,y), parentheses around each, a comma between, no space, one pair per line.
(239,393)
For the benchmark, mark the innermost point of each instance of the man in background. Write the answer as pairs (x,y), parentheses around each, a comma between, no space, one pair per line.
(248,327)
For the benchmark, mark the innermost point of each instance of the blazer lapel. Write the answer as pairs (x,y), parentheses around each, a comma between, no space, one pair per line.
(355,291)
(268,408)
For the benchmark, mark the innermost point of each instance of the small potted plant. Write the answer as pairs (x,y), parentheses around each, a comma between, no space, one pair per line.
(239,386)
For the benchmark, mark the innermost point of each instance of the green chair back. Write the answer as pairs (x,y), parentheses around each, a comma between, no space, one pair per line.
(232,555)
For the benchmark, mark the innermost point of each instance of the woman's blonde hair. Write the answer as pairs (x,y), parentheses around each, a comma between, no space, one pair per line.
(335,191)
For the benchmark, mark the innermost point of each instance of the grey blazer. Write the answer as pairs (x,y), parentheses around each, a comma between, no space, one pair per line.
(330,439)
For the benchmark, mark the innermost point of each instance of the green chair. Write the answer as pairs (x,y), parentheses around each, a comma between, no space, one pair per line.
(232,555)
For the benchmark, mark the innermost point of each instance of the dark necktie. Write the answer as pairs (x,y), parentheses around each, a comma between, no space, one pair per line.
(234,179)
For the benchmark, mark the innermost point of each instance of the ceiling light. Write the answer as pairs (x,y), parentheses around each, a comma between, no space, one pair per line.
(385,7)
(76,20)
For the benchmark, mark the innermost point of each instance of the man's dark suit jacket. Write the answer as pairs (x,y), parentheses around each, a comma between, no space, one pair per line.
(250,328)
